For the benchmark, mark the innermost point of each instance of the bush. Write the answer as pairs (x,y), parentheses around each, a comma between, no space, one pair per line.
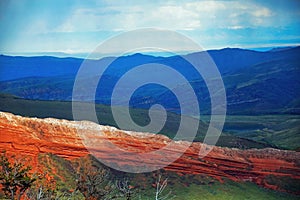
(14,177)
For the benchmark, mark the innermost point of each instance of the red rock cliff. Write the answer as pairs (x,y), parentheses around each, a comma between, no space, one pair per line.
(31,136)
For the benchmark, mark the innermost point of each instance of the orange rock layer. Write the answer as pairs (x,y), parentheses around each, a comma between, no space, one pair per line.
(69,139)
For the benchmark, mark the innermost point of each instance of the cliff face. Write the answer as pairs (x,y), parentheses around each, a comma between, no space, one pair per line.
(32,136)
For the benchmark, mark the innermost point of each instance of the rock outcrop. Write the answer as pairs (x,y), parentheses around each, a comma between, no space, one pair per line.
(70,139)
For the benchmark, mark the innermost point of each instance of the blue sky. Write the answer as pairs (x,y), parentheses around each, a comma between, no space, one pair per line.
(72,26)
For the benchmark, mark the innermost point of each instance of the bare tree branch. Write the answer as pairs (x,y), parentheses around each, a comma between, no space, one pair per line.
(160,187)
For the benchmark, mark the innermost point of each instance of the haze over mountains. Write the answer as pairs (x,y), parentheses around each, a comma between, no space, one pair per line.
(255,82)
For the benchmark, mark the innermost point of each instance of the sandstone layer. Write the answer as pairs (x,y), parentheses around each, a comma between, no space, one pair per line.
(70,139)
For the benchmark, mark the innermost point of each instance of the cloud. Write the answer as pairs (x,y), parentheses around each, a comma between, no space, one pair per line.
(235,27)
(263,12)
(170,15)
(83,24)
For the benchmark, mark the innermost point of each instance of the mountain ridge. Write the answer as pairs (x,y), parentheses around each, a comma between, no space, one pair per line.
(250,79)
(212,53)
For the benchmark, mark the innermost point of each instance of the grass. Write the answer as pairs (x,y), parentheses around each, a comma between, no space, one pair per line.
(197,187)
(229,191)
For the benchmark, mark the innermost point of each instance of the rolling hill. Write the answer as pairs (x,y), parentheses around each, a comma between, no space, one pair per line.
(63,110)
(255,82)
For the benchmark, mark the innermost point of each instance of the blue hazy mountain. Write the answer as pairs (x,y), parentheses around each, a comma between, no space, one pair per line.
(256,82)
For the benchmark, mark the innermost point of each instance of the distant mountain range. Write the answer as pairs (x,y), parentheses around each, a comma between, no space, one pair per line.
(255,82)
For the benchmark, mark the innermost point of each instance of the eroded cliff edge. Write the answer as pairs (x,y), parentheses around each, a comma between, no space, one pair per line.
(32,136)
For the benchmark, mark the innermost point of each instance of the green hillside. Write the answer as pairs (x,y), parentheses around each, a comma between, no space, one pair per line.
(64,176)
(63,110)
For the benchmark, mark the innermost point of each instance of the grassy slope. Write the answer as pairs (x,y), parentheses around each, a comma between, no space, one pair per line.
(279,130)
(197,187)
(230,191)
(63,110)
(183,187)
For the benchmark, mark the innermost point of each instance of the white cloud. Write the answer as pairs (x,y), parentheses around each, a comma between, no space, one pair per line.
(170,15)
(235,27)
(82,25)
(206,6)
(262,12)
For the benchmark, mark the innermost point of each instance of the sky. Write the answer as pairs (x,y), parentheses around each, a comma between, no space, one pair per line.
(73,26)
